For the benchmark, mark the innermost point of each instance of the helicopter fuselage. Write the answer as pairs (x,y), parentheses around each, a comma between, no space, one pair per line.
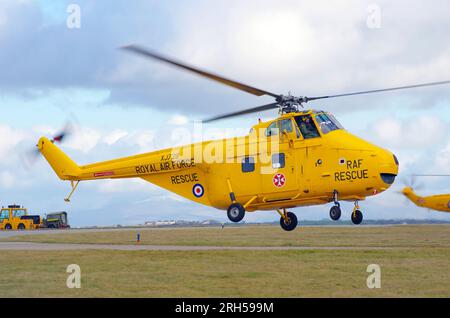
(280,164)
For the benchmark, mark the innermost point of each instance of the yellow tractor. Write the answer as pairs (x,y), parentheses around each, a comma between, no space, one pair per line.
(15,217)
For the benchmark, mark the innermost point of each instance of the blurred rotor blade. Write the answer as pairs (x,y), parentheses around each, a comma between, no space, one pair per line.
(30,157)
(379,90)
(214,77)
(413,182)
(431,175)
(407,182)
(419,186)
(243,112)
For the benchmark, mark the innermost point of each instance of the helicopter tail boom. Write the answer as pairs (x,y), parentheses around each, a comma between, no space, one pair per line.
(411,195)
(142,166)
(64,167)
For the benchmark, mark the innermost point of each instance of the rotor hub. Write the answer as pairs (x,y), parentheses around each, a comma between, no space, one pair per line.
(290,104)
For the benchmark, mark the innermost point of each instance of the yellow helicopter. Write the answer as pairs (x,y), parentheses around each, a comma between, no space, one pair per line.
(438,202)
(301,158)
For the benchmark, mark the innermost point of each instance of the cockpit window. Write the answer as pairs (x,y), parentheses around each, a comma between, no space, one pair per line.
(327,123)
(307,126)
(272,130)
(286,125)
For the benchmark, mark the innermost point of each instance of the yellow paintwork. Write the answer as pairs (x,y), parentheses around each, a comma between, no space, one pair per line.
(440,202)
(15,221)
(313,169)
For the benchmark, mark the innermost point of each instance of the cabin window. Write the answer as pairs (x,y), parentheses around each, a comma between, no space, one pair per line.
(272,130)
(248,164)
(18,213)
(286,125)
(307,126)
(4,214)
(327,123)
(278,160)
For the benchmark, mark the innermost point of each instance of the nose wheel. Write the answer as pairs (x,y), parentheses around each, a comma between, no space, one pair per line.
(288,220)
(357,215)
(335,211)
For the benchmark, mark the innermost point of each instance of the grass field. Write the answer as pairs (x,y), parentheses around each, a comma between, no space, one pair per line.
(391,236)
(417,264)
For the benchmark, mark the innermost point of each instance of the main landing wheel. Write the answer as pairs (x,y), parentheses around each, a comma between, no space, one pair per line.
(335,212)
(290,223)
(357,217)
(236,212)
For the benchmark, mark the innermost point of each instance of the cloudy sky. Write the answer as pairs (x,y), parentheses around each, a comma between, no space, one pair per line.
(53,69)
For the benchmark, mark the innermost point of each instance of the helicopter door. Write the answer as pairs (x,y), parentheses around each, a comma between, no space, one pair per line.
(279,174)
(312,164)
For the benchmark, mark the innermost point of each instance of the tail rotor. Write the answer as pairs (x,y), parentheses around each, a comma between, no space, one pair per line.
(30,157)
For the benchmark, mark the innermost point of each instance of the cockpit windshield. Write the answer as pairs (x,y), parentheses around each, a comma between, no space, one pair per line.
(327,123)
(307,126)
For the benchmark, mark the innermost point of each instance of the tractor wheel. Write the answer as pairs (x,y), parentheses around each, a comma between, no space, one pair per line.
(21,227)
(8,227)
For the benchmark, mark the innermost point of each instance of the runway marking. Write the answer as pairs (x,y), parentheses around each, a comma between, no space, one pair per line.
(27,246)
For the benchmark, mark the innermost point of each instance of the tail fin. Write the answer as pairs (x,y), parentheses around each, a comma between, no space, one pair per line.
(64,167)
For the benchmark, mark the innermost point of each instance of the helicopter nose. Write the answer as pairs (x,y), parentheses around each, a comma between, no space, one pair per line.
(389,168)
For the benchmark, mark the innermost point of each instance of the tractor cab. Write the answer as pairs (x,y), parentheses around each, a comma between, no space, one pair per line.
(15,217)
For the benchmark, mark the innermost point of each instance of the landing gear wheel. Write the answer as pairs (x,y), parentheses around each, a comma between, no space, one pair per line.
(236,212)
(335,212)
(357,217)
(290,223)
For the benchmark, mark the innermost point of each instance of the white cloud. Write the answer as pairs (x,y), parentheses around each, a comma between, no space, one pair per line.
(9,139)
(145,140)
(413,133)
(178,120)
(443,160)
(114,136)
(6,179)
(315,46)
(84,139)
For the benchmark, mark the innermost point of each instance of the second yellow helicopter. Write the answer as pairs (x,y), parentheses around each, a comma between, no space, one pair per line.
(438,202)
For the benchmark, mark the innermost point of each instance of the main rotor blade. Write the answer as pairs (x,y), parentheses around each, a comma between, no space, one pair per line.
(243,112)
(214,77)
(431,175)
(380,90)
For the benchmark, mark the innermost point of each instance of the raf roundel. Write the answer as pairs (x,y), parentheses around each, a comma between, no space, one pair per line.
(198,190)
(279,180)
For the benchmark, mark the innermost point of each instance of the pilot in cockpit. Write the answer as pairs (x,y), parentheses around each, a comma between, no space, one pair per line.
(307,127)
